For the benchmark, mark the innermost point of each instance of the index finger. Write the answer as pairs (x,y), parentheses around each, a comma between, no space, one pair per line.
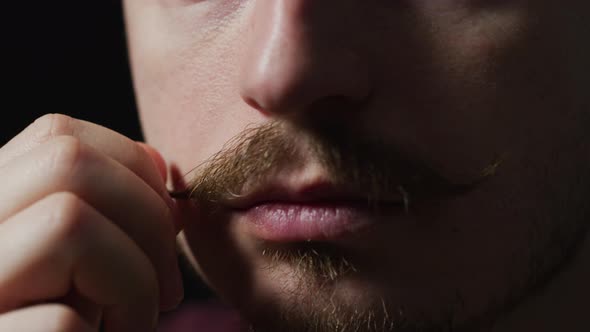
(118,147)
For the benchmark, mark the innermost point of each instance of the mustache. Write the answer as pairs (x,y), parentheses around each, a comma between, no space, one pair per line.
(363,163)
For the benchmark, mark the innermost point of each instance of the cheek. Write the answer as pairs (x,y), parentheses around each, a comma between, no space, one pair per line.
(186,81)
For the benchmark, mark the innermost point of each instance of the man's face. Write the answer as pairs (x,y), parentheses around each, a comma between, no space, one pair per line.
(379,165)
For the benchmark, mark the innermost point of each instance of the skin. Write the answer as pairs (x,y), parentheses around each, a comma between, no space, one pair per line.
(456,83)
(69,236)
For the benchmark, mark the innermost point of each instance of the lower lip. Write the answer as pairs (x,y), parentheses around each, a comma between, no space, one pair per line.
(284,222)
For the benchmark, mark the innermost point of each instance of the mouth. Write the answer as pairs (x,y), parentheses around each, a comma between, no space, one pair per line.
(315,212)
(306,207)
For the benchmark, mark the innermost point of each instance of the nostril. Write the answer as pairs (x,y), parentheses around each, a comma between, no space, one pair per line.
(256,105)
(253,103)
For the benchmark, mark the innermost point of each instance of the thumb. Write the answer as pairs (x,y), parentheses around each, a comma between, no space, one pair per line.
(157,158)
(161,166)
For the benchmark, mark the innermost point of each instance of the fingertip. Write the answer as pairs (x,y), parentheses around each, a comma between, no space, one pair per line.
(157,158)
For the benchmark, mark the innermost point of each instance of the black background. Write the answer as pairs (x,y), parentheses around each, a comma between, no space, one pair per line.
(70,57)
(66,56)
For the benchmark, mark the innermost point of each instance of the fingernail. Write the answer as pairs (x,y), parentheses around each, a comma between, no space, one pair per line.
(157,158)
(160,164)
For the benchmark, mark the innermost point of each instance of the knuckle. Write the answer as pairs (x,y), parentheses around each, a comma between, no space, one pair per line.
(67,216)
(64,319)
(65,154)
(52,125)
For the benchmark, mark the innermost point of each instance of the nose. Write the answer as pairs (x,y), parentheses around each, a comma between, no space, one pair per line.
(300,52)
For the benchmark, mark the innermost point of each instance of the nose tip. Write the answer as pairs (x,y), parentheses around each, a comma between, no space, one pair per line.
(290,85)
(293,62)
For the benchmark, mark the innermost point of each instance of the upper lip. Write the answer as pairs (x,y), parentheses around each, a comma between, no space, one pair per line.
(314,193)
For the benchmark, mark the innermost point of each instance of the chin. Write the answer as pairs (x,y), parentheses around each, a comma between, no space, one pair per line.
(311,287)
(300,298)
(408,275)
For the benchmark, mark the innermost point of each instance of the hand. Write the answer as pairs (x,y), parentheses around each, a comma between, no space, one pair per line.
(86,231)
